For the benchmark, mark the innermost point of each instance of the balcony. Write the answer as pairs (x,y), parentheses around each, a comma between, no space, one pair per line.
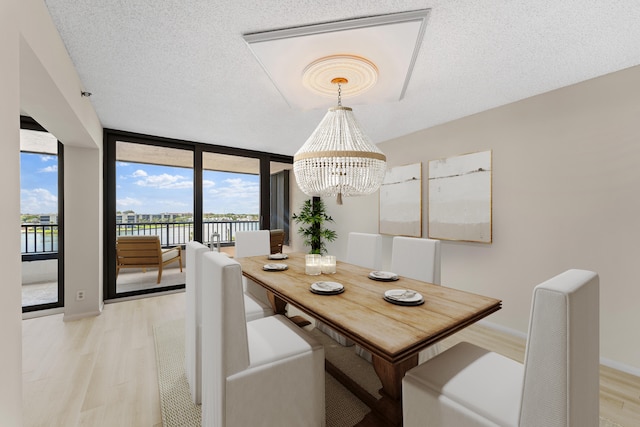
(39,249)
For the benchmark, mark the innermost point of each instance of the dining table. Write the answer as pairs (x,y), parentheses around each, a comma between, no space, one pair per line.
(394,334)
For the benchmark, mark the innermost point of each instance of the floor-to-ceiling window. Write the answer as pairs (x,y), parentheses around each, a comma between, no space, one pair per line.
(230,198)
(154,198)
(41,222)
(182,191)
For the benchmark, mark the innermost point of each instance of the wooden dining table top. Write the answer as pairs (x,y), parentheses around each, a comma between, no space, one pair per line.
(391,332)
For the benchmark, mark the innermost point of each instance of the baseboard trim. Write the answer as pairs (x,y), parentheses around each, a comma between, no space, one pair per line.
(42,313)
(141,296)
(71,318)
(504,329)
(613,364)
(627,369)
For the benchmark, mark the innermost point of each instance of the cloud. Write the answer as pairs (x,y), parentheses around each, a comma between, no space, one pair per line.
(208,183)
(127,203)
(164,181)
(37,201)
(180,185)
(49,169)
(172,204)
(139,173)
(47,158)
(234,195)
(237,188)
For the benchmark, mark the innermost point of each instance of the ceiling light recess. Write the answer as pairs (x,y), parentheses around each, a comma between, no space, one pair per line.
(360,73)
(391,42)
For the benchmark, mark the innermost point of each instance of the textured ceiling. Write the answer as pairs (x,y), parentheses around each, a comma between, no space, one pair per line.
(181,68)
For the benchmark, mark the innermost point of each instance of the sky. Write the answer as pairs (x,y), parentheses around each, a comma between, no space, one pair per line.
(145,189)
(155,189)
(38,183)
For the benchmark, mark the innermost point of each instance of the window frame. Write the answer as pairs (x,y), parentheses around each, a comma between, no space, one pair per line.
(112,136)
(29,123)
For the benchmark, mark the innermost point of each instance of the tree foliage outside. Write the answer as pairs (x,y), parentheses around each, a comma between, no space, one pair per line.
(312,218)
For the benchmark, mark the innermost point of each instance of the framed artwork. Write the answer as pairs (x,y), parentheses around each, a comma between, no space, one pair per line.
(401,201)
(460,198)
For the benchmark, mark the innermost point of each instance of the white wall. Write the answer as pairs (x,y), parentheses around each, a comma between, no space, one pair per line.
(359,214)
(39,271)
(37,78)
(565,195)
(11,301)
(356,214)
(83,232)
(50,93)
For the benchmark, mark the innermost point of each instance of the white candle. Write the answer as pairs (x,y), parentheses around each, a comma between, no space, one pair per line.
(328,264)
(313,264)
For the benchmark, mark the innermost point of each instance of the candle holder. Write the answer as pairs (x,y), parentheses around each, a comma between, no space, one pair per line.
(328,264)
(313,264)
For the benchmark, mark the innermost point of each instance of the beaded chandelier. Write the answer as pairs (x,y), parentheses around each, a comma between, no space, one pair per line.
(338,159)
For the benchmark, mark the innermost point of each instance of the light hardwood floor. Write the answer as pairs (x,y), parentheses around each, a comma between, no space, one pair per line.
(101,371)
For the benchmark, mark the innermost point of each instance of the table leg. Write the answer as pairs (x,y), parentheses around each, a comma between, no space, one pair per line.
(277,304)
(279,307)
(387,411)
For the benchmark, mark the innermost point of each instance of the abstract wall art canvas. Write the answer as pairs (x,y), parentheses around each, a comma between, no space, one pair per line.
(401,201)
(460,198)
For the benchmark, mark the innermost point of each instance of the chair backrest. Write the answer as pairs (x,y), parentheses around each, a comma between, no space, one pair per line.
(193,277)
(225,347)
(193,316)
(416,258)
(561,380)
(138,250)
(253,243)
(277,240)
(365,250)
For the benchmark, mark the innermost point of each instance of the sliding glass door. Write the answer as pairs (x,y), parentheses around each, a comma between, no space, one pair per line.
(176,191)
(154,198)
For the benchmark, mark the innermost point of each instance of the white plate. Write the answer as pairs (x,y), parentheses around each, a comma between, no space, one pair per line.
(275,267)
(403,295)
(330,287)
(278,256)
(383,275)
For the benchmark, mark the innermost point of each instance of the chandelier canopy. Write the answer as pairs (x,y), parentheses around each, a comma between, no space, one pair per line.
(338,159)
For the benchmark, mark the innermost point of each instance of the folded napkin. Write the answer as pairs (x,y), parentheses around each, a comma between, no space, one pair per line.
(403,295)
(383,276)
(327,286)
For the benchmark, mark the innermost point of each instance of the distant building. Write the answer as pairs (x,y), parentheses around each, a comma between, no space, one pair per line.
(49,219)
(132,217)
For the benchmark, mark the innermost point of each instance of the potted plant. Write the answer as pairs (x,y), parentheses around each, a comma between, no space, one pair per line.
(312,217)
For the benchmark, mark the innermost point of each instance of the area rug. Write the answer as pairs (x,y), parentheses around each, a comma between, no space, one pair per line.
(343,409)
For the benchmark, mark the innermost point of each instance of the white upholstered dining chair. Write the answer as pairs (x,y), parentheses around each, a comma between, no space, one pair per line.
(253,308)
(417,259)
(558,385)
(253,243)
(266,372)
(365,250)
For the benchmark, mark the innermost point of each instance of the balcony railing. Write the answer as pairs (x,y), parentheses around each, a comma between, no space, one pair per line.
(179,233)
(41,241)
